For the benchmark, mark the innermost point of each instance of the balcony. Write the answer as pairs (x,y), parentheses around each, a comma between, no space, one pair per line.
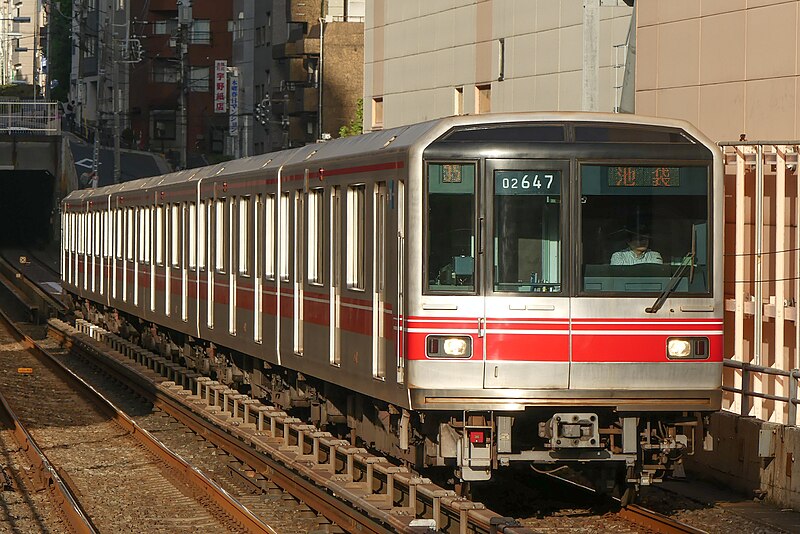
(300,48)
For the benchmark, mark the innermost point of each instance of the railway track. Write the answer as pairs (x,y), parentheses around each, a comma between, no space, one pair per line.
(109,474)
(656,522)
(351,487)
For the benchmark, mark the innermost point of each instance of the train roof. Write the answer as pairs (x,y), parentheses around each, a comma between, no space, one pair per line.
(409,139)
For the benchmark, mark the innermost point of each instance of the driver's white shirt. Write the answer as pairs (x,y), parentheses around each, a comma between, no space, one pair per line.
(628,257)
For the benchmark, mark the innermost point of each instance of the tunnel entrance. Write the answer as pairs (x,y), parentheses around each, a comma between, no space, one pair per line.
(26,208)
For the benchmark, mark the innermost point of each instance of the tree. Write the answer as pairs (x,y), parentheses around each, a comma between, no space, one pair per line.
(59,64)
(356,126)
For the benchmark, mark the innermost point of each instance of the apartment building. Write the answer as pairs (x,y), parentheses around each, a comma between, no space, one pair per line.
(432,59)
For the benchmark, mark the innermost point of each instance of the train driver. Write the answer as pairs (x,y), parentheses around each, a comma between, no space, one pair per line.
(638,250)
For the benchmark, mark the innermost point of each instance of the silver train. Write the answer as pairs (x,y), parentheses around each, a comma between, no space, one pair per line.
(473,292)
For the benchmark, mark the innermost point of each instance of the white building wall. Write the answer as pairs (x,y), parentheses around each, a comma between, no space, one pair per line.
(418,52)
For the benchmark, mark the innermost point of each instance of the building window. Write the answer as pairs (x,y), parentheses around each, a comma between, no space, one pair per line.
(165,27)
(200,32)
(162,124)
(165,73)
(199,79)
(377,113)
(458,108)
(483,98)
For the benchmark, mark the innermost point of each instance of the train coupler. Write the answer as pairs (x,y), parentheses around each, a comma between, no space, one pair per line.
(571,430)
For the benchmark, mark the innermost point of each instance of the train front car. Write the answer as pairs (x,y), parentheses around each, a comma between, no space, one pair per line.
(569,308)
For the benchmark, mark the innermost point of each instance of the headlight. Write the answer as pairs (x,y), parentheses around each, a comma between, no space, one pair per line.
(449,346)
(691,348)
(455,346)
(679,348)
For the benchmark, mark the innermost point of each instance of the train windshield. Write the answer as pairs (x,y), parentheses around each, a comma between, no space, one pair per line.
(645,228)
(451,227)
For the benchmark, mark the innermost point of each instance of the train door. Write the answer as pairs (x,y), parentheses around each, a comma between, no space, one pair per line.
(381,245)
(335,274)
(526,308)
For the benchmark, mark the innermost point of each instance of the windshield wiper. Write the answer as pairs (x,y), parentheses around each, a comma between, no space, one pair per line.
(672,284)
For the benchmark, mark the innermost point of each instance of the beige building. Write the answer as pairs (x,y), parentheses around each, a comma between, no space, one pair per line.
(727,66)
(18,41)
(426,59)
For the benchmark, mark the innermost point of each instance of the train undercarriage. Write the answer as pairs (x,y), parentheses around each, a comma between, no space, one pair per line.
(614,452)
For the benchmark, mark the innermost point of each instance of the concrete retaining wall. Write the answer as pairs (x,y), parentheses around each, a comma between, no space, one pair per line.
(735,461)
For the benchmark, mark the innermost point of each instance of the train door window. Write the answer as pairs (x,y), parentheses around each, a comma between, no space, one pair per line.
(316,229)
(245,242)
(378,295)
(219,235)
(335,273)
(645,228)
(175,236)
(298,267)
(450,236)
(258,209)
(130,232)
(356,215)
(89,233)
(527,230)
(269,237)
(192,235)
(283,233)
(232,261)
(118,232)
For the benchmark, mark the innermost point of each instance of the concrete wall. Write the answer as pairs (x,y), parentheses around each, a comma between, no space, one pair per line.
(727,66)
(418,53)
(735,461)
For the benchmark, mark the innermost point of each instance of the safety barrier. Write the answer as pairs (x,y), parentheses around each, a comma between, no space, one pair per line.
(29,118)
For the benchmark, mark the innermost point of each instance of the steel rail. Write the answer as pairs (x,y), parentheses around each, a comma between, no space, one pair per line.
(46,476)
(197,480)
(656,522)
(349,499)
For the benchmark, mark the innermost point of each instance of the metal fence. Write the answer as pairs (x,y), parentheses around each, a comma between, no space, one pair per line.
(29,118)
(762,279)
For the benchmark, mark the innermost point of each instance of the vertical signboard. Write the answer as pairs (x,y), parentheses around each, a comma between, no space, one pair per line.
(233,123)
(220,86)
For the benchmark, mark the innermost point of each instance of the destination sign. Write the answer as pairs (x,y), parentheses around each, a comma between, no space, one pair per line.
(644,177)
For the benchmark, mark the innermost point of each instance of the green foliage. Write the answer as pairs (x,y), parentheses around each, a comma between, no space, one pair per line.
(18,91)
(356,126)
(59,63)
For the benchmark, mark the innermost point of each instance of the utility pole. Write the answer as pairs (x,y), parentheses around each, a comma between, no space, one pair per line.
(184,22)
(115,99)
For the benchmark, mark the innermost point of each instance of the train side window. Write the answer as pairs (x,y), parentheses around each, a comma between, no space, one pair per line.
(175,230)
(92,234)
(356,215)
(192,235)
(129,229)
(244,236)
(316,236)
(106,234)
(269,237)
(118,230)
(159,235)
(219,235)
(203,216)
(450,235)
